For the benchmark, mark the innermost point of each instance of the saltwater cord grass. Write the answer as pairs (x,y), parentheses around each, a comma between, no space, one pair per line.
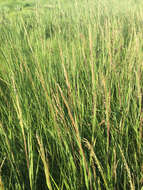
(71,96)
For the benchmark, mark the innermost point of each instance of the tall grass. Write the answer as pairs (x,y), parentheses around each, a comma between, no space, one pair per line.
(71,97)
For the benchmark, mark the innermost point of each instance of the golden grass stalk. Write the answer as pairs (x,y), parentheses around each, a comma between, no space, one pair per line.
(93,155)
(128,170)
(45,162)
(65,72)
(107,107)
(73,120)
(19,114)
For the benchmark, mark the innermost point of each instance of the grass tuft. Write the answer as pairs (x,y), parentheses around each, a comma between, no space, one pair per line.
(71,94)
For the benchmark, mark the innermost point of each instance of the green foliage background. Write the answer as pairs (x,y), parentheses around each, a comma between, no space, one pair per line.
(71,80)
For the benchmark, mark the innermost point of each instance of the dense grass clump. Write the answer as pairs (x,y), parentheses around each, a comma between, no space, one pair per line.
(71,82)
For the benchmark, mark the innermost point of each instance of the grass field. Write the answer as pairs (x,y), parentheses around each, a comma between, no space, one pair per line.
(71,95)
